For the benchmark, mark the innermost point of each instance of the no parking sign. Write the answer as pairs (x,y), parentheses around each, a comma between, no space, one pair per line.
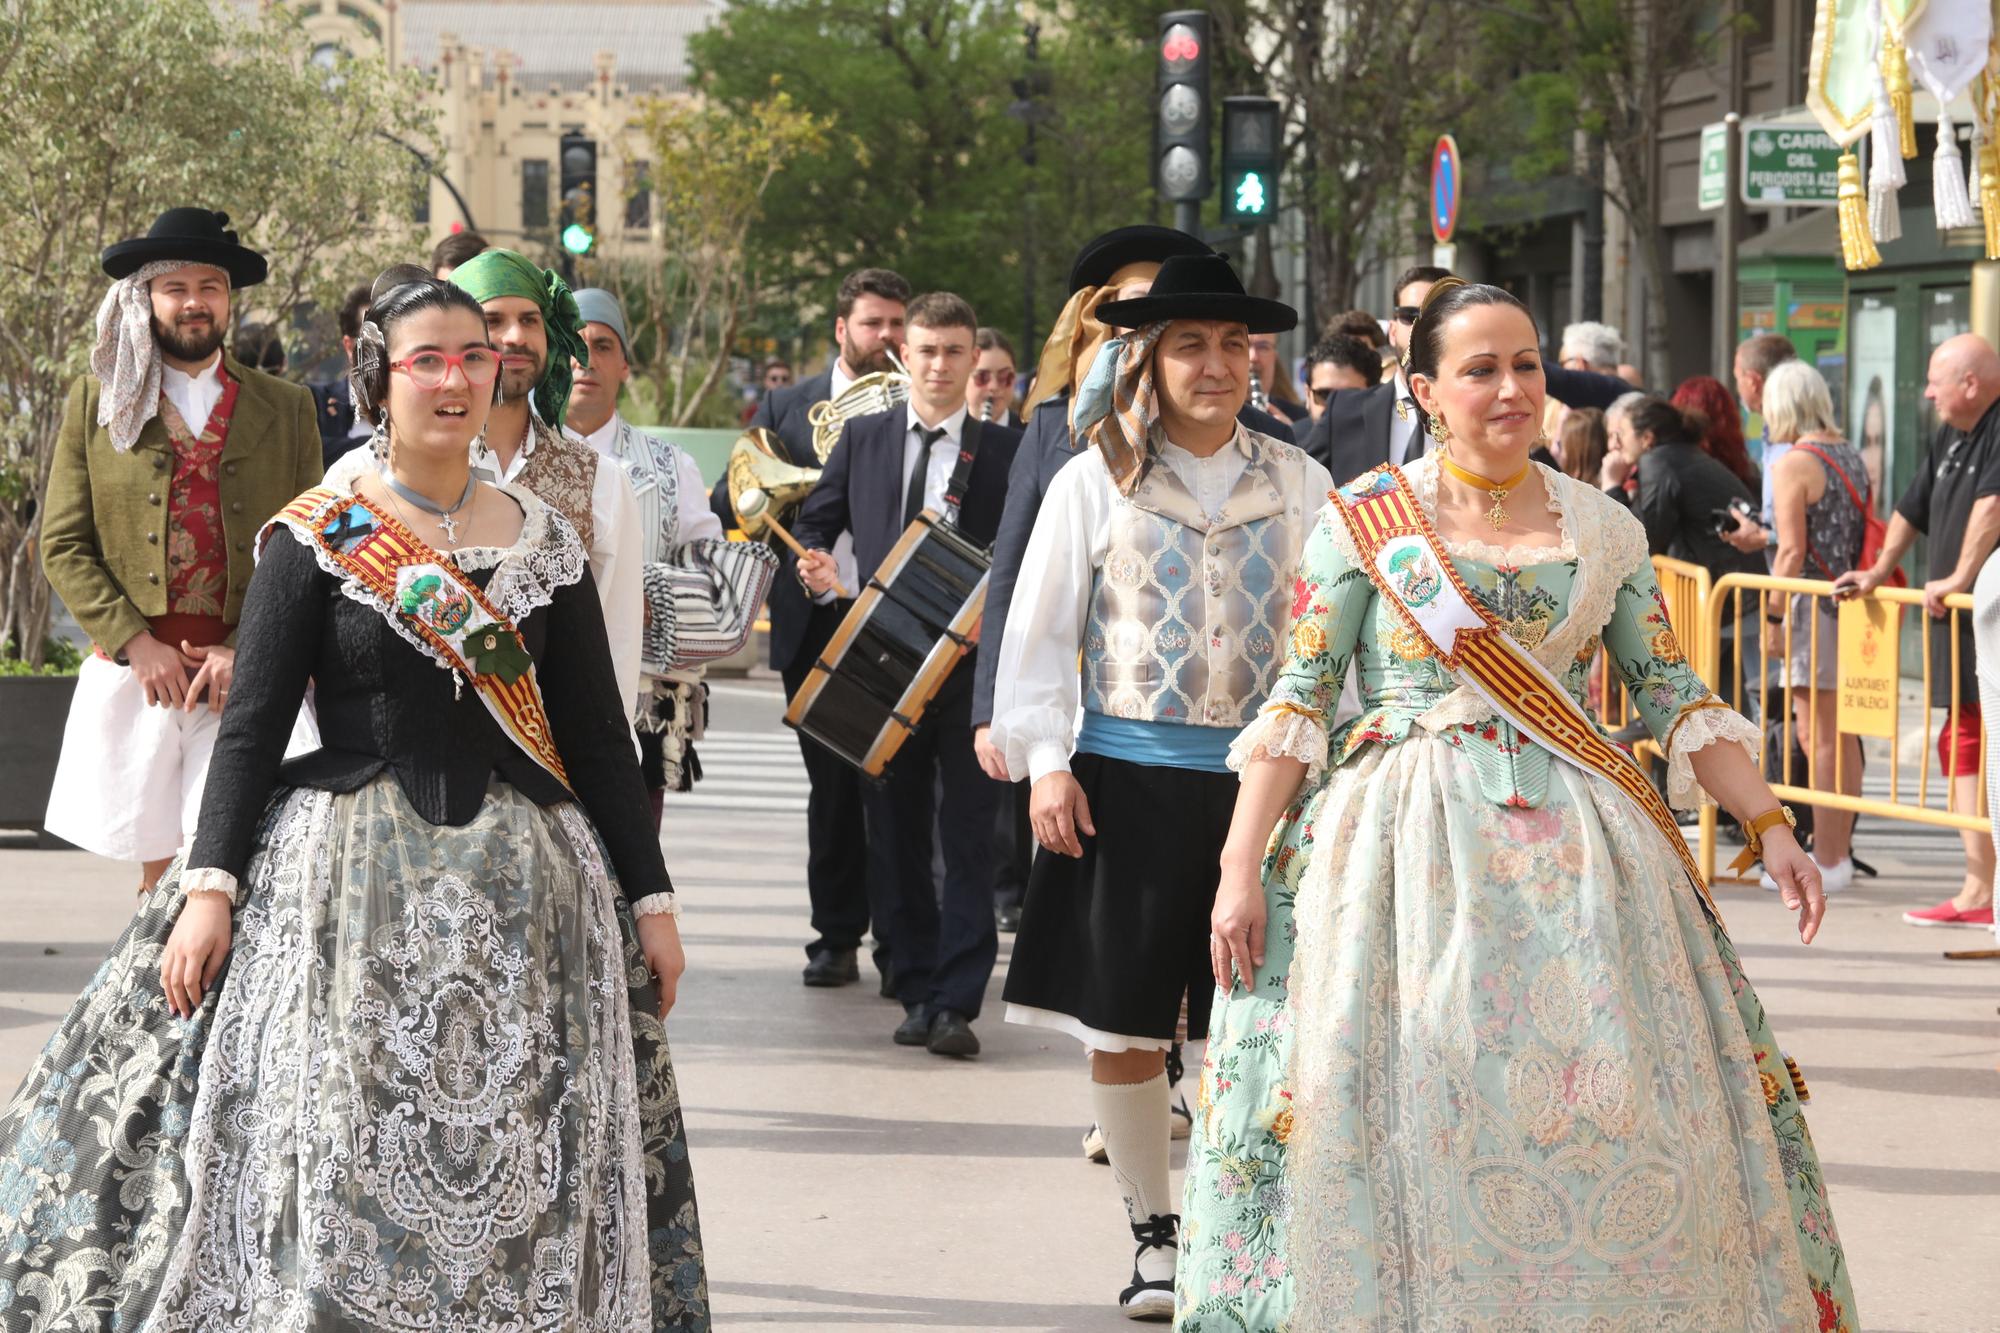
(1444,189)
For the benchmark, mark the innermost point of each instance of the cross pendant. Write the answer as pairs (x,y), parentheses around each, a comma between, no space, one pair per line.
(450,526)
(1497,515)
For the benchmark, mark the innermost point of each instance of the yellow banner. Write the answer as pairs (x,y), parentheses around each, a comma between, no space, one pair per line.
(1868,667)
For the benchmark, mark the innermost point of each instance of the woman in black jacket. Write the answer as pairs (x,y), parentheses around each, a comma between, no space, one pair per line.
(432,1087)
(1687,499)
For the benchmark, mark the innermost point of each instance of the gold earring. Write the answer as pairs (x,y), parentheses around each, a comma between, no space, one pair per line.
(1439,431)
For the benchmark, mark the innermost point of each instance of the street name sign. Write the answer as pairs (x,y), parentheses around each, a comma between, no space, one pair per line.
(1788,165)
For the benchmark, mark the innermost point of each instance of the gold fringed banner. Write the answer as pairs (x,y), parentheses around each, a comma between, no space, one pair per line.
(1989,195)
(1857,247)
(1902,93)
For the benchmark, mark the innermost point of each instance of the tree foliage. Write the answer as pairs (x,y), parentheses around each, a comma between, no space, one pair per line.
(923,170)
(1604,71)
(712,168)
(114,110)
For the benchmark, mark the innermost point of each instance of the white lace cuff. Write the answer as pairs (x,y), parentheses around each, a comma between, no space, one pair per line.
(1036,739)
(658,904)
(1282,730)
(1697,728)
(208,879)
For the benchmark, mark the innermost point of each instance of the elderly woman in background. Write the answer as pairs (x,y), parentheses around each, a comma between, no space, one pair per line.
(1815,487)
(1724,437)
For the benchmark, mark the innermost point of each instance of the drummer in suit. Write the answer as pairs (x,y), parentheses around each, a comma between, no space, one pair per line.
(886,469)
(1360,429)
(868,326)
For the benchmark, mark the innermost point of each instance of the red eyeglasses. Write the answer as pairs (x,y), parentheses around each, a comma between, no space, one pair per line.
(985,377)
(427,369)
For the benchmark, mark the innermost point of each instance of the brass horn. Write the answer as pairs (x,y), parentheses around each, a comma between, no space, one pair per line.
(757,463)
(876,392)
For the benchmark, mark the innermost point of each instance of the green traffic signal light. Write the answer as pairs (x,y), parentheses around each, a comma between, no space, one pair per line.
(577,239)
(1250,198)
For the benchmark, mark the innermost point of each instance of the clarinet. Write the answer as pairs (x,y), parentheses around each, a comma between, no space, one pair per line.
(986,411)
(1257,398)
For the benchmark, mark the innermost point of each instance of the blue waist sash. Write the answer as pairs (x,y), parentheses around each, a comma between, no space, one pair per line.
(1159,744)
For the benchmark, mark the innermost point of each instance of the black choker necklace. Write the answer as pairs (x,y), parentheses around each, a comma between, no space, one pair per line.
(429,506)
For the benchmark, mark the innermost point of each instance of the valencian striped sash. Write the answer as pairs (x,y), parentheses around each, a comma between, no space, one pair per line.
(423,595)
(1402,557)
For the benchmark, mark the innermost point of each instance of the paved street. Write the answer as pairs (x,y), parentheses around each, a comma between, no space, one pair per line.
(850,1184)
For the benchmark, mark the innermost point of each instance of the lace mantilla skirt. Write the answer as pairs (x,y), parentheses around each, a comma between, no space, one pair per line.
(1500,1074)
(430,1092)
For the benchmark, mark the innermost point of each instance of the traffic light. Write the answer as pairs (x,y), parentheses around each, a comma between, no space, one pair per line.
(576,226)
(1250,141)
(1181,163)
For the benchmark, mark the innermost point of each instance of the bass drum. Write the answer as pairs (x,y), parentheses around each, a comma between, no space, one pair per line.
(896,648)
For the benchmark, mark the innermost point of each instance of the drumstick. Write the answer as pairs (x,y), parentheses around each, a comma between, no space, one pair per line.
(751,504)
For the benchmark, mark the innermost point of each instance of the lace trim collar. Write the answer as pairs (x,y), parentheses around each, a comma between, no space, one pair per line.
(1423,476)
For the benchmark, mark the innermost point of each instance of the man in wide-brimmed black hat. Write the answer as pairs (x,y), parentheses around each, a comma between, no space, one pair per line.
(172,455)
(1164,558)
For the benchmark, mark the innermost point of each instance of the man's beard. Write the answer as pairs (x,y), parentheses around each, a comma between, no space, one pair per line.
(516,385)
(869,364)
(187,346)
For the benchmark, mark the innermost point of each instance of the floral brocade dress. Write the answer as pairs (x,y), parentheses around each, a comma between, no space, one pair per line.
(1500,1070)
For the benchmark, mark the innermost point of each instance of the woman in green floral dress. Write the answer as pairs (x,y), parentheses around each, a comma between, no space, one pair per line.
(1496,1067)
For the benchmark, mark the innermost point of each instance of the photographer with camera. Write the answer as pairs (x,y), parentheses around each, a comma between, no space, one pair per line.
(1688,501)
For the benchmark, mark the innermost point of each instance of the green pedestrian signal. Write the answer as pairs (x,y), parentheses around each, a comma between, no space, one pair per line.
(1252,139)
(576,239)
(1249,196)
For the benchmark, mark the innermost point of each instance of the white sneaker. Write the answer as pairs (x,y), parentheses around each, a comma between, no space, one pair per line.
(1832,879)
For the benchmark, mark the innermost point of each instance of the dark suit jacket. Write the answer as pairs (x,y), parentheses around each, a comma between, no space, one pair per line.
(1045,449)
(1352,434)
(862,491)
(783,412)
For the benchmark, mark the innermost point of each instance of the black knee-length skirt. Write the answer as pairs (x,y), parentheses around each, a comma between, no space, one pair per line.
(1112,941)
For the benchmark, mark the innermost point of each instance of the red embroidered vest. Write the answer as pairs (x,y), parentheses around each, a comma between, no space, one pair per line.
(197,549)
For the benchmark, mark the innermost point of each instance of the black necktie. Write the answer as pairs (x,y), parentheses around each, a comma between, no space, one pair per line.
(913,498)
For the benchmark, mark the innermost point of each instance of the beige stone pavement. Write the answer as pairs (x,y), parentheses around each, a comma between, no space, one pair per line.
(848,1184)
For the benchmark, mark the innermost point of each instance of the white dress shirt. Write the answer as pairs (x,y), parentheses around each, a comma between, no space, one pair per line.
(194,396)
(943,454)
(617,558)
(1402,422)
(1209,480)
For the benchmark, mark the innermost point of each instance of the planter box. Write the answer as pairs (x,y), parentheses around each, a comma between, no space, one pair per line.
(33,710)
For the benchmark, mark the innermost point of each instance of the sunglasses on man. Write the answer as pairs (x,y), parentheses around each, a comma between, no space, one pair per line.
(1406,314)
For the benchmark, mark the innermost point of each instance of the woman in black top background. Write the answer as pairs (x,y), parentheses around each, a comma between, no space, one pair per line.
(432,1087)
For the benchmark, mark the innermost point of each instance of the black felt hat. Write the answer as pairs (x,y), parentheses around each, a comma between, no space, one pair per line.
(193,235)
(1199,287)
(1104,255)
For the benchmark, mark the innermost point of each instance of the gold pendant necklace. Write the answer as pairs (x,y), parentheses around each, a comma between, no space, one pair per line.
(1499,490)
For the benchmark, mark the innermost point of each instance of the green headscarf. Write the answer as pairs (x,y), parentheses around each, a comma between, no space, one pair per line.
(496,273)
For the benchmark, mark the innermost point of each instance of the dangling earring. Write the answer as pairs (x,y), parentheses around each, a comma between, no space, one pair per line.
(1439,431)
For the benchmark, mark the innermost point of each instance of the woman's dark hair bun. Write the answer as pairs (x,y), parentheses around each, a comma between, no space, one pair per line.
(1446,298)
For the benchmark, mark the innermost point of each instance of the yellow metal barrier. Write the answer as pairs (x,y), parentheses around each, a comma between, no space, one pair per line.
(1741,600)
(1685,588)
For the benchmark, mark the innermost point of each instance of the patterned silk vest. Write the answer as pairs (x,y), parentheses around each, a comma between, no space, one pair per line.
(197,551)
(1188,620)
(562,473)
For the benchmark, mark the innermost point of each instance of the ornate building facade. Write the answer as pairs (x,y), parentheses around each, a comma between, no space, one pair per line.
(511,78)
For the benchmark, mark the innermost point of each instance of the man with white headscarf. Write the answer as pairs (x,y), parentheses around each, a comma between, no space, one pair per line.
(172,454)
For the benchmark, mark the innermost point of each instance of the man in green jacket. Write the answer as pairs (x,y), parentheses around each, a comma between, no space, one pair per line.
(172,455)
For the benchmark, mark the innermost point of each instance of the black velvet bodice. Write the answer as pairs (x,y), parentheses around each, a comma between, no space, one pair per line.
(384,704)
